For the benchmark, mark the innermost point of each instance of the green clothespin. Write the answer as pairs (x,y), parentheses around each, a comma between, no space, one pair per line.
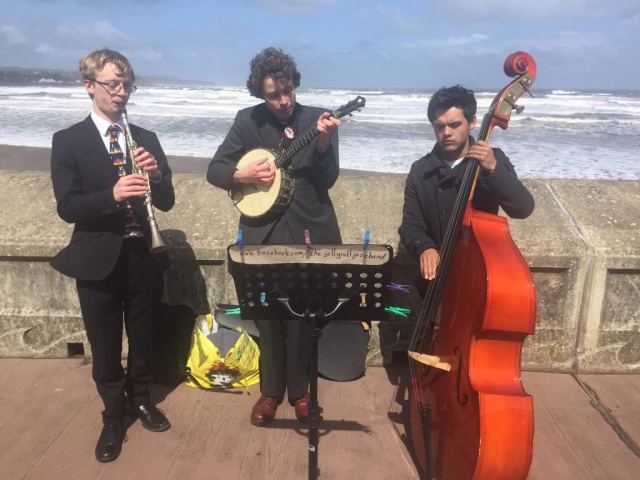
(233,311)
(401,312)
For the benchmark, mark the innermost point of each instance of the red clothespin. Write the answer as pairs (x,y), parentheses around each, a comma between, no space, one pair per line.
(307,240)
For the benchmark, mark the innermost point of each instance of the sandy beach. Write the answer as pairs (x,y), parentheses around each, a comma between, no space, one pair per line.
(36,158)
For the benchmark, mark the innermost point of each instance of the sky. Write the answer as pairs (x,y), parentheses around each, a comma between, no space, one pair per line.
(577,44)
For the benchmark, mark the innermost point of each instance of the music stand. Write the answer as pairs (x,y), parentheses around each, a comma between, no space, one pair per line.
(315,284)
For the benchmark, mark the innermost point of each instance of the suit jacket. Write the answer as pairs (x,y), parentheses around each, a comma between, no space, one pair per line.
(311,208)
(83,177)
(431,190)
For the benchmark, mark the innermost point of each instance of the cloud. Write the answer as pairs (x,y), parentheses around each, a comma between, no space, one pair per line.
(568,41)
(395,20)
(144,53)
(633,21)
(12,35)
(99,3)
(45,48)
(504,10)
(299,7)
(102,31)
(456,41)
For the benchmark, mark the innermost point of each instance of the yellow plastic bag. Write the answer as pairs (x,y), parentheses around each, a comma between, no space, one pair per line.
(206,369)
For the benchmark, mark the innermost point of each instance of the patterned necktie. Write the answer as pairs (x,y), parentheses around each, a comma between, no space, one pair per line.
(131,225)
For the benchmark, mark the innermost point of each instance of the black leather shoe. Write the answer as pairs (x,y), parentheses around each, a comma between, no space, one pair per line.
(110,442)
(152,418)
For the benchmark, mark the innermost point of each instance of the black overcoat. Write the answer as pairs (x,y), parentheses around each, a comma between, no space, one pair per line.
(311,208)
(431,190)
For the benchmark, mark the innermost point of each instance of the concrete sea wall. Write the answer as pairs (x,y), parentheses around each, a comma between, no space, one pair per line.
(582,244)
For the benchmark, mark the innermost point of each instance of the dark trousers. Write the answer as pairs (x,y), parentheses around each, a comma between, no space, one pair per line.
(132,292)
(284,344)
(284,357)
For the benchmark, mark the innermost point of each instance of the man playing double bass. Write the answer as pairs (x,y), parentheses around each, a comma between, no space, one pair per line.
(434,180)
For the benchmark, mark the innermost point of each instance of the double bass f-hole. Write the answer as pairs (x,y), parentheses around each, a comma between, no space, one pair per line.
(463,400)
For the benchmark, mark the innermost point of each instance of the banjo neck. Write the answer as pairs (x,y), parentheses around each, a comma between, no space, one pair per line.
(283,159)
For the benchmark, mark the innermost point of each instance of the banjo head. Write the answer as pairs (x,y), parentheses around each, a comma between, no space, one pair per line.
(257,200)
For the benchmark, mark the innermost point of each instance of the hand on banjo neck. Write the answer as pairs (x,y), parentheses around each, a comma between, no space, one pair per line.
(260,171)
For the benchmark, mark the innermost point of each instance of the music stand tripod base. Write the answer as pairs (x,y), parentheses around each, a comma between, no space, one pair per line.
(317,284)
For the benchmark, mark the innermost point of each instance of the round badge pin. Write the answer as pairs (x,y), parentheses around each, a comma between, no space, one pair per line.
(289,133)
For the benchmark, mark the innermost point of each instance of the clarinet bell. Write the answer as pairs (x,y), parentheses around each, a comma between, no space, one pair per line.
(157,244)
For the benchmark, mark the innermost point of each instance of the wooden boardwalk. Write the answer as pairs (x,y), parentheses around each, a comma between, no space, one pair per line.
(587,427)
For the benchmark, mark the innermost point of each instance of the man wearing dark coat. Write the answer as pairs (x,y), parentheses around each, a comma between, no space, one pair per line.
(117,278)
(284,357)
(434,180)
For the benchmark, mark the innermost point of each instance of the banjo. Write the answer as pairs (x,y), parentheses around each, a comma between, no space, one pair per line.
(266,201)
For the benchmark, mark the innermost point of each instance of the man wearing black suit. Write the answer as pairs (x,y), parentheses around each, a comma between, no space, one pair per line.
(284,361)
(116,276)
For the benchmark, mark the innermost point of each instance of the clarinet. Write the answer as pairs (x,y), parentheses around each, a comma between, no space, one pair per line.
(157,244)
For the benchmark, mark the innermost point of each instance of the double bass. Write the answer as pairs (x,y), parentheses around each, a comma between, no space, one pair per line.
(470,417)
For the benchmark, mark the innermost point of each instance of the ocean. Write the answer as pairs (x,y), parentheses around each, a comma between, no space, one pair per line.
(560,134)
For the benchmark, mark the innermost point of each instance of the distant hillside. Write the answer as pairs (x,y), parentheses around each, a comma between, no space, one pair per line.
(37,76)
(32,76)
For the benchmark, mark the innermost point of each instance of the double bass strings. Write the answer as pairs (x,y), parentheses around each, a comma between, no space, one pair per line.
(430,303)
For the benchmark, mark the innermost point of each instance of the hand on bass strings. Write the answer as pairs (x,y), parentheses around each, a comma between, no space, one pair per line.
(259,172)
(483,152)
(134,185)
(429,261)
(147,162)
(326,125)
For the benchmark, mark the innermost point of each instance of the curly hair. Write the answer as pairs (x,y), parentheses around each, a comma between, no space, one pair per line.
(456,96)
(271,62)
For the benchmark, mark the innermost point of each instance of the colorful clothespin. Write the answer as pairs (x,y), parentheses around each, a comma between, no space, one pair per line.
(232,311)
(367,237)
(399,288)
(307,240)
(239,239)
(263,297)
(401,312)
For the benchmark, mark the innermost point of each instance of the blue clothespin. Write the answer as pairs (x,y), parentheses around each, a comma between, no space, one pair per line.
(307,239)
(239,240)
(367,237)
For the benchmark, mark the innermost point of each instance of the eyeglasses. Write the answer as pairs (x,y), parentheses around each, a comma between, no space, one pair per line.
(114,87)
